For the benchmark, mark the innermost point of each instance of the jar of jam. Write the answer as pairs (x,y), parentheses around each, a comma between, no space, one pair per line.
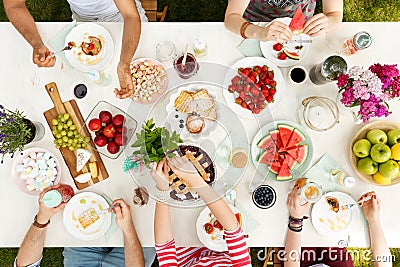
(187,70)
(55,197)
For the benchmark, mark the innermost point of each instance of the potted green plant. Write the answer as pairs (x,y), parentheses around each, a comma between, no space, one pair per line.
(154,143)
(15,132)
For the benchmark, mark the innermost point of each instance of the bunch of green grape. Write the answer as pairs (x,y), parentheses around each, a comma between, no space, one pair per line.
(66,134)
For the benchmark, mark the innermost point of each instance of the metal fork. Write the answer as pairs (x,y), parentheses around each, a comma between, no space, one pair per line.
(348,206)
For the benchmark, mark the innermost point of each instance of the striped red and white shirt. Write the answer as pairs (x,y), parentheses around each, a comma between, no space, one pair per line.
(237,255)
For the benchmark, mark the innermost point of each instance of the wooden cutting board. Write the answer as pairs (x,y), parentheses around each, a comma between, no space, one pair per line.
(70,156)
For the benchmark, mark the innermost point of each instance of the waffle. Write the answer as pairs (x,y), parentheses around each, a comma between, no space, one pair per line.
(196,102)
(205,167)
(88,218)
(96,46)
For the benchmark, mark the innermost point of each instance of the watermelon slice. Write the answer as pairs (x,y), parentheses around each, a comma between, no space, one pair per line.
(292,55)
(277,138)
(275,169)
(284,172)
(268,157)
(297,23)
(295,139)
(291,162)
(285,132)
(299,153)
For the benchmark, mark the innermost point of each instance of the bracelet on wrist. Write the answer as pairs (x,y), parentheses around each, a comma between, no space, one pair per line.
(295,229)
(40,225)
(243,29)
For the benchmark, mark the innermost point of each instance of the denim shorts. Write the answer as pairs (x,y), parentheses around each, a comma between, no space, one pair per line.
(102,257)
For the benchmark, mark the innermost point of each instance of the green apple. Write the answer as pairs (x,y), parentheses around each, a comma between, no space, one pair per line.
(380,153)
(376,136)
(367,165)
(393,137)
(361,148)
(389,169)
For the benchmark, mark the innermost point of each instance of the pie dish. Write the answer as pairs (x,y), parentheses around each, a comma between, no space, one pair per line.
(205,167)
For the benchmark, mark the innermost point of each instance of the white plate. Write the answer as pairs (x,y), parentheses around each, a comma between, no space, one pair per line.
(270,53)
(173,122)
(102,59)
(79,204)
(328,222)
(20,183)
(218,244)
(250,62)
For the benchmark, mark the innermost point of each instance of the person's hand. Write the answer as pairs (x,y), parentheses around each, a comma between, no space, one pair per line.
(45,213)
(123,215)
(275,31)
(370,207)
(43,57)
(160,175)
(125,81)
(317,25)
(186,171)
(293,204)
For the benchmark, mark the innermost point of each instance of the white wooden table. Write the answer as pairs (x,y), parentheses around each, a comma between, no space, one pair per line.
(22,86)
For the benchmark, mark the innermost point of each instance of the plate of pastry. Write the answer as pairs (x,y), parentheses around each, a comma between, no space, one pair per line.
(192,111)
(86,217)
(92,47)
(330,215)
(180,190)
(211,232)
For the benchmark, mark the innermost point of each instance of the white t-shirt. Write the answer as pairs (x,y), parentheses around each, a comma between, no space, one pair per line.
(98,8)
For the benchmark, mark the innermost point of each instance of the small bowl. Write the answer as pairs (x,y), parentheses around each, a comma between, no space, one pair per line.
(262,189)
(362,133)
(130,124)
(20,183)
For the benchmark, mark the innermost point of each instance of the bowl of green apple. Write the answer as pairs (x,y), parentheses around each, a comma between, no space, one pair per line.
(375,153)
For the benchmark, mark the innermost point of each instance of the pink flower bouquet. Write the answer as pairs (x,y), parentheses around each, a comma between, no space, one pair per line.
(370,89)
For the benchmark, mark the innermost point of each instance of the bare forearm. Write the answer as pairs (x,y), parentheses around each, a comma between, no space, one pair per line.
(23,21)
(292,249)
(31,249)
(335,18)
(379,247)
(162,224)
(217,206)
(130,38)
(133,250)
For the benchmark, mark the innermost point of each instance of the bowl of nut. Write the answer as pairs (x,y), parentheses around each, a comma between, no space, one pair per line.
(149,79)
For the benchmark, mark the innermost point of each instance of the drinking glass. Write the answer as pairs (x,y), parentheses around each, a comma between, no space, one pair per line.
(165,51)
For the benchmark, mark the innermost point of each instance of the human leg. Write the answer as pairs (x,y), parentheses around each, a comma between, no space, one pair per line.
(84,256)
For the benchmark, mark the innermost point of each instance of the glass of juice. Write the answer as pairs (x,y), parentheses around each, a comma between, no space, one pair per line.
(187,70)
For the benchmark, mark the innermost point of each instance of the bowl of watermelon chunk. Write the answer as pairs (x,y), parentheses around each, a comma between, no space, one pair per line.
(282,150)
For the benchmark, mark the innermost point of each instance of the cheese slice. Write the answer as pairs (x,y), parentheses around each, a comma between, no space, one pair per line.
(82,157)
(83,178)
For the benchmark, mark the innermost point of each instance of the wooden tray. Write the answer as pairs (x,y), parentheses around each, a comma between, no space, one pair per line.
(362,133)
(70,156)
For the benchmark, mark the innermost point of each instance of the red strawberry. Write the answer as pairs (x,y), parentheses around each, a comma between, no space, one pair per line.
(244,105)
(261,98)
(257,69)
(242,95)
(231,89)
(264,69)
(247,88)
(273,83)
(271,74)
(272,92)
(267,80)
(256,110)
(239,100)
(247,98)
(246,72)
(277,47)
(269,98)
(252,106)
(255,92)
(265,92)
(282,56)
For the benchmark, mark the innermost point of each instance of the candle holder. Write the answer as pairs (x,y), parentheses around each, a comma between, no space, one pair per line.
(318,113)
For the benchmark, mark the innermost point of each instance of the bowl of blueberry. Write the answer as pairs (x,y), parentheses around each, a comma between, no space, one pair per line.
(264,197)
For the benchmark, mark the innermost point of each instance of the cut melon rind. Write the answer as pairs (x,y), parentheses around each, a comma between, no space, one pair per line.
(298,21)
(296,138)
(284,173)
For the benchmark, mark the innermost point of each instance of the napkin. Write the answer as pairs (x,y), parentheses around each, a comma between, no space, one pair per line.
(321,171)
(250,223)
(250,48)
(57,43)
(113,226)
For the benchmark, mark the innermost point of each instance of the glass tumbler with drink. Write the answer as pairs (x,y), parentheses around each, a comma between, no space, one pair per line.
(310,191)
(328,70)
(55,197)
(359,41)
(186,65)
